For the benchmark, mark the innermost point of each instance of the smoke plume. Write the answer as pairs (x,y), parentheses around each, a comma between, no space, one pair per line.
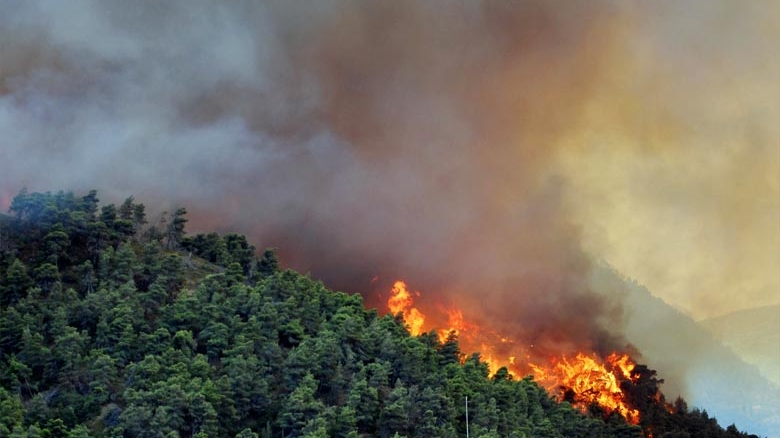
(486,152)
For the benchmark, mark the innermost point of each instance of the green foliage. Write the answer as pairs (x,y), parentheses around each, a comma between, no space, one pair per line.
(268,263)
(17,282)
(174,233)
(11,412)
(110,330)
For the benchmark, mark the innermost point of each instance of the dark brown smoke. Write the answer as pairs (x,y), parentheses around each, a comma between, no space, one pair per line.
(450,118)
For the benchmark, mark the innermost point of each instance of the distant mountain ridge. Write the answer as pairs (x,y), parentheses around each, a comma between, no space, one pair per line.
(754,334)
(693,363)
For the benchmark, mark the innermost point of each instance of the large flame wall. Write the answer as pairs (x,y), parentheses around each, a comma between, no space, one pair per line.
(584,378)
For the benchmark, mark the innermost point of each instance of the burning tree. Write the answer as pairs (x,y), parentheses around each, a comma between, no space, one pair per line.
(605,387)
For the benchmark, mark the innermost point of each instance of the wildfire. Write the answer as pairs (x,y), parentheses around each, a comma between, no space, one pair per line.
(401,302)
(583,380)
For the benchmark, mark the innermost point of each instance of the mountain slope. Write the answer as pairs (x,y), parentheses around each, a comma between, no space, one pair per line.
(106,331)
(111,330)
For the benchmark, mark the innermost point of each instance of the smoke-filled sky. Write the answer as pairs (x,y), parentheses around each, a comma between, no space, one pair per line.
(488,152)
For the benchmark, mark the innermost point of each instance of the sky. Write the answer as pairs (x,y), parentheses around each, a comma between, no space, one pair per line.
(487,152)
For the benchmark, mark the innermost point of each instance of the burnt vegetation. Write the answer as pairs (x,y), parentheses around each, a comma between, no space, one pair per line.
(114,327)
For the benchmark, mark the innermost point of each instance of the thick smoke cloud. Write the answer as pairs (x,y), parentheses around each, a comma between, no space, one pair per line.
(486,152)
(362,140)
(677,162)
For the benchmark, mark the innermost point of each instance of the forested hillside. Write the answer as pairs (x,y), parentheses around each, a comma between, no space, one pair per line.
(113,327)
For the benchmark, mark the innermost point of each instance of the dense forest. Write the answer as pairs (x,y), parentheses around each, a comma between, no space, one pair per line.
(114,327)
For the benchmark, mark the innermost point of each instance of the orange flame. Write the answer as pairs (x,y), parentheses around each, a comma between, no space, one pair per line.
(401,302)
(583,380)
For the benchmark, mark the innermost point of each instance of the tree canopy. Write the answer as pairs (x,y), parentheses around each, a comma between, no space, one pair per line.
(110,328)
